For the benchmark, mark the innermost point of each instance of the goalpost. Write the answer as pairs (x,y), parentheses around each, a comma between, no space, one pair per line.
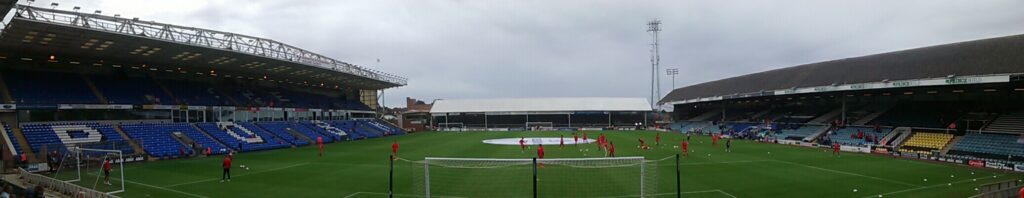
(547,126)
(84,167)
(566,177)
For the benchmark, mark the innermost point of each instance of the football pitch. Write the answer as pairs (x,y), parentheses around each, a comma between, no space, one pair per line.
(360,169)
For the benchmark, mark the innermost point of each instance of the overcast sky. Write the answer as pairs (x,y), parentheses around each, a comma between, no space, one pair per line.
(574,48)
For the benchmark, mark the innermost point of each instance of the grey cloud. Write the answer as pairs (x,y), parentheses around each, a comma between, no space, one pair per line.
(537,48)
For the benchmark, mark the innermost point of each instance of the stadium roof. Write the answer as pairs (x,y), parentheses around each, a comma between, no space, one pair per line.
(540,105)
(6,6)
(1000,55)
(94,39)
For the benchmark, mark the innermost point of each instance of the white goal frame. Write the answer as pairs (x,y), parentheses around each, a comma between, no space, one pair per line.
(541,125)
(78,165)
(426,166)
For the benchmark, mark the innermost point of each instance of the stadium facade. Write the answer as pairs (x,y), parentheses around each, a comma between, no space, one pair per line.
(161,91)
(518,114)
(958,102)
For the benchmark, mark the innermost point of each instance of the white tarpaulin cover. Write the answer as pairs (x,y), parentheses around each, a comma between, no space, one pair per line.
(540,105)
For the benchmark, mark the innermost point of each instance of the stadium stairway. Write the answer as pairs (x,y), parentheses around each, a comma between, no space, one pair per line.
(705,116)
(879,111)
(758,115)
(14,149)
(330,130)
(815,135)
(135,145)
(1010,122)
(298,134)
(827,116)
(229,97)
(164,89)
(4,91)
(11,120)
(279,130)
(307,131)
(185,140)
(95,91)
(897,136)
(210,138)
(951,144)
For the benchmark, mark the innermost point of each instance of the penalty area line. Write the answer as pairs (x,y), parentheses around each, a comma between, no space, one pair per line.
(166,189)
(395,194)
(239,175)
(936,185)
(846,173)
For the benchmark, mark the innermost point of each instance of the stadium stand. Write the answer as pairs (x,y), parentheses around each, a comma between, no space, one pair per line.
(922,114)
(13,140)
(280,129)
(242,136)
(1010,122)
(324,129)
(859,135)
(355,129)
(203,140)
(194,93)
(308,132)
(57,88)
(798,133)
(270,141)
(382,126)
(128,90)
(925,142)
(157,139)
(989,145)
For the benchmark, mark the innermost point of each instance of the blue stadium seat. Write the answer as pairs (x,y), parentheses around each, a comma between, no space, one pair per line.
(992,145)
(48,88)
(280,130)
(157,139)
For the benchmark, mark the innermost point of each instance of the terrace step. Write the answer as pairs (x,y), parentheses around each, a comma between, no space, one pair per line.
(135,145)
(4,91)
(827,116)
(95,91)
(207,134)
(705,116)
(12,120)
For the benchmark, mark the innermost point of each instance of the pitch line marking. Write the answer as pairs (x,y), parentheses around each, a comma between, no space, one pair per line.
(156,187)
(846,173)
(396,194)
(672,193)
(239,175)
(166,189)
(723,162)
(726,194)
(933,186)
(625,196)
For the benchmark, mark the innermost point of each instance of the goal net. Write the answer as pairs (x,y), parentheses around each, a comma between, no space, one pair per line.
(85,167)
(451,126)
(568,177)
(543,126)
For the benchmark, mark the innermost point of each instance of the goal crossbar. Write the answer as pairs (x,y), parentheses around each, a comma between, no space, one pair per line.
(78,155)
(531,159)
(558,174)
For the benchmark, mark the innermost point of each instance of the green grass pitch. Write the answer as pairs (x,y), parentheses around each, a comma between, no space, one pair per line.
(359,169)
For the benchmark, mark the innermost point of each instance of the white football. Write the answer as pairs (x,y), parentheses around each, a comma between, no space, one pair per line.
(854,190)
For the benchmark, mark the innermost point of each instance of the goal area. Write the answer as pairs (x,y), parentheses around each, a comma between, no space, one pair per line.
(85,167)
(566,177)
(543,126)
